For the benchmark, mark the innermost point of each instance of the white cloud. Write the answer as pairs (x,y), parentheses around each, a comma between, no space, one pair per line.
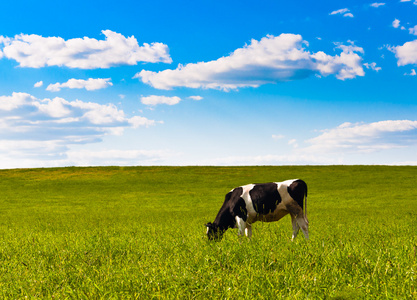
(45,128)
(372,66)
(376,4)
(155,100)
(270,60)
(339,11)
(347,65)
(38,84)
(344,11)
(196,98)
(413,30)
(412,73)
(365,137)
(138,121)
(406,54)
(396,24)
(350,48)
(90,84)
(35,51)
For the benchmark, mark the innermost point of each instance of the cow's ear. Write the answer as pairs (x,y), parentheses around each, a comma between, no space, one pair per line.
(209,225)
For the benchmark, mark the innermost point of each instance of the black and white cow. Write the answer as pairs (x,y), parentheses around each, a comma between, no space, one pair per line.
(267,202)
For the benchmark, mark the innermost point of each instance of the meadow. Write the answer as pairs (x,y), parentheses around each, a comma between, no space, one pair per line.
(138,233)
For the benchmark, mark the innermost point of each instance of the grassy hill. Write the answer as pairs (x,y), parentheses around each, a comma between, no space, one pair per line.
(138,233)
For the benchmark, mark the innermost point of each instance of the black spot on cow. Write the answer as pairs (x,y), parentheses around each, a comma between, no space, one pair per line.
(265,197)
(240,209)
(235,204)
(297,191)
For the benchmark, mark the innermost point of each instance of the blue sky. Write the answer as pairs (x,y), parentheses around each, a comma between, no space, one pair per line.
(86,83)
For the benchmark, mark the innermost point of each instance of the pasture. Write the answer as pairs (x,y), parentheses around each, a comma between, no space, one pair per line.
(138,233)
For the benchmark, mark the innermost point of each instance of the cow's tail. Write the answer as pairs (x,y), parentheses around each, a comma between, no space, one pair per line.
(305,203)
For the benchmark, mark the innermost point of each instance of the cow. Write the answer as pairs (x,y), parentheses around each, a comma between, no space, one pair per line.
(266,202)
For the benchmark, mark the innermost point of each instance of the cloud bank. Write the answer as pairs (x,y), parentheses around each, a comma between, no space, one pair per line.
(332,145)
(272,59)
(365,138)
(35,51)
(44,128)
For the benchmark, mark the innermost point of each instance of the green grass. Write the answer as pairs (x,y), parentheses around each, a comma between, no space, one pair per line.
(138,233)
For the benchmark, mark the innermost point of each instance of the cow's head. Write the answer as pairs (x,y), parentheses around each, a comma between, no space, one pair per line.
(213,232)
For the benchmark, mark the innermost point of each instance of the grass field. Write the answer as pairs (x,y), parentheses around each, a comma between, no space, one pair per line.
(138,233)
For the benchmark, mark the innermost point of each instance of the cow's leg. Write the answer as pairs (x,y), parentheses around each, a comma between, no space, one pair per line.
(303,223)
(296,211)
(241,225)
(248,230)
(295,227)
